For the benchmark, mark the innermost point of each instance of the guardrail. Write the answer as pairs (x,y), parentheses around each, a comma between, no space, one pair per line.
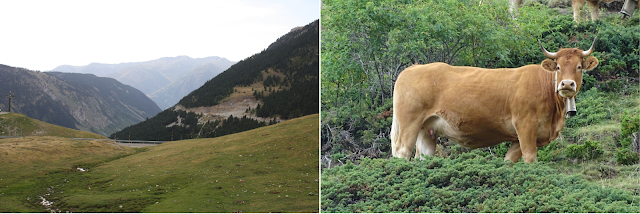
(125,141)
(11,136)
(140,141)
(117,141)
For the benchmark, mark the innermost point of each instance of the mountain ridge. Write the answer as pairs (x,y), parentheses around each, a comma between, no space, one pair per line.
(170,94)
(78,101)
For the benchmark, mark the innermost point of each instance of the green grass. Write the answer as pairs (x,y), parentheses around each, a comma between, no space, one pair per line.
(269,169)
(28,165)
(13,124)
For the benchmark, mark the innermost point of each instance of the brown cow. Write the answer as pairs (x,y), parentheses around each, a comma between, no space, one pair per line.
(576,4)
(480,107)
(594,4)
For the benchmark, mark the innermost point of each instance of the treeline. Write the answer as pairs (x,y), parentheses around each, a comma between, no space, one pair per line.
(232,125)
(156,127)
(165,127)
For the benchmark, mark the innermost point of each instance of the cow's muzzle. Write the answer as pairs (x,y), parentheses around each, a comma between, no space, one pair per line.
(567,88)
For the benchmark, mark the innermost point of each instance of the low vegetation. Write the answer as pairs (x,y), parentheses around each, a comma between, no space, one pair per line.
(471,182)
(269,169)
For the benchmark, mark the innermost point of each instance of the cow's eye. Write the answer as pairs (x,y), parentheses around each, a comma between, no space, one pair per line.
(557,67)
(579,66)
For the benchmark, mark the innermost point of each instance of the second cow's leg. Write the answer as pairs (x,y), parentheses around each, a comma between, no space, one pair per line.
(577,7)
(426,143)
(595,7)
(514,153)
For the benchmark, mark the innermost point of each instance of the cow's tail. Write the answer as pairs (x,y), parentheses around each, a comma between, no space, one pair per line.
(394,133)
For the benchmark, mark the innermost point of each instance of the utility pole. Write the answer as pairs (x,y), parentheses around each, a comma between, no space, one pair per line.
(10,96)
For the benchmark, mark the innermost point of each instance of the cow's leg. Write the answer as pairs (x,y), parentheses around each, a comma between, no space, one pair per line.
(406,142)
(527,135)
(577,7)
(426,143)
(514,153)
(595,7)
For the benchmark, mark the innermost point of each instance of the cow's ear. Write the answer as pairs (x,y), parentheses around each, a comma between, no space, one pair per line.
(549,65)
(589,63)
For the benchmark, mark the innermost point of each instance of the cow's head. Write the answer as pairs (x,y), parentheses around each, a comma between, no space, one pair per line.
(569,63)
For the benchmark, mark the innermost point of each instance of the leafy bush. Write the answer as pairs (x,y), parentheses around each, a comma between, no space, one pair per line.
(473,182)
(626,157)
(628,126)
(587,151)
(616,47)
(550,152)
(591,109)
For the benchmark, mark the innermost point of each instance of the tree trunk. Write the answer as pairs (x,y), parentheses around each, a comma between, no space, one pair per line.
(636,141)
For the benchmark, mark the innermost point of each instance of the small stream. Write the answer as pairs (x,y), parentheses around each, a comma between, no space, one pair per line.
(48,204)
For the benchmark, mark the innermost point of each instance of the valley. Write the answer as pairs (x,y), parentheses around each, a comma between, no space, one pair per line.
(269,169)
(164,80)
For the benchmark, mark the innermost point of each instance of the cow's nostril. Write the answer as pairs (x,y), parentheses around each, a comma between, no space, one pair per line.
(572,84)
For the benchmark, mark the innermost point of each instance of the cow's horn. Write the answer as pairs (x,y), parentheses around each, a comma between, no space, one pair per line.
(588,52)
(547,53)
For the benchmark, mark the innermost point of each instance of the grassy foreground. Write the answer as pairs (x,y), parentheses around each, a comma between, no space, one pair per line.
(269,169)
(13,124)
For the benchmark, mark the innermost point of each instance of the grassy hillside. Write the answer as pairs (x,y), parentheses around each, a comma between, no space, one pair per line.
(13,124)
(269,169)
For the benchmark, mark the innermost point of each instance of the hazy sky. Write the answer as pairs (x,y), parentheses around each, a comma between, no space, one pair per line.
(40,35)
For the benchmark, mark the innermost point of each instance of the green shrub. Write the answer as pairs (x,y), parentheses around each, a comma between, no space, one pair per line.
(473,182)
(626,157)
(591,109)
(550,152)
(628,126)
(587,151)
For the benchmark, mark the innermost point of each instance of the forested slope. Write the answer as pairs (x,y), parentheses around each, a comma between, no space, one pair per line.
(296,58)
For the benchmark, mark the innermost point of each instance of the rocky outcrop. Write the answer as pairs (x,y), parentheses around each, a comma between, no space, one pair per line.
(236,107)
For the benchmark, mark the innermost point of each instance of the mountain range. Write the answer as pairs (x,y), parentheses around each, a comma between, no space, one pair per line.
(80,101)
(165,80)
(277,84)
